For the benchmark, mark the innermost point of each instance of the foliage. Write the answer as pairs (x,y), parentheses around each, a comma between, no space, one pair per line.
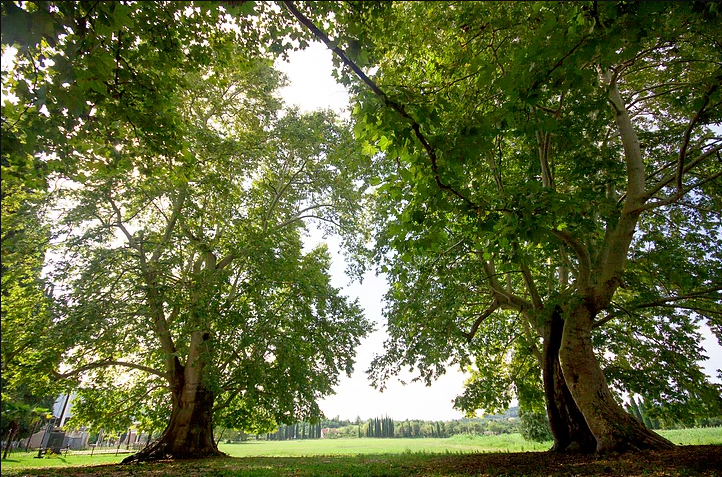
(182,194)
(534,426)
(509,186)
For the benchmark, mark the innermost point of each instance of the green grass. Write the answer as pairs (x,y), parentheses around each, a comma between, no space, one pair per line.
(27,460)
(456,444)
(694,437)
(271,454)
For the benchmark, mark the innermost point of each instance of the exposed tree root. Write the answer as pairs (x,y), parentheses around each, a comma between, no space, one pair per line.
(162,450)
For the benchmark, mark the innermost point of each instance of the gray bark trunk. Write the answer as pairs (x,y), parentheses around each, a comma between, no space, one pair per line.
(189,434)
(569,428)
(613,428)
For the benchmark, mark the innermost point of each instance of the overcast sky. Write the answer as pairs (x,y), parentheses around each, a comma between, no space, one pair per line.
(313,87)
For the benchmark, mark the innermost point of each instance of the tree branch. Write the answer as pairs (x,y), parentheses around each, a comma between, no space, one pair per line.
(504,298)
(671,177)
(584,271)
(399,108)
(480,319)
(121,226)
(105,364)
(664,302)
(300,216)
(170,226)
(688,133)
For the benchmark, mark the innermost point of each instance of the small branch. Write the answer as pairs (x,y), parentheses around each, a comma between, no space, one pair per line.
(687,134)
(300,216)
(583,274)
(121,226)
(170,226)
(529,281)
(278,194)
(677,197)
(665,302)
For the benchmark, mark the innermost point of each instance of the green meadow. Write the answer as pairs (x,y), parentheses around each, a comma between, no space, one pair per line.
(461,444)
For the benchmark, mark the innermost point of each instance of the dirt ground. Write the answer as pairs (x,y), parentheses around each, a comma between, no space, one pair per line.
(682,461)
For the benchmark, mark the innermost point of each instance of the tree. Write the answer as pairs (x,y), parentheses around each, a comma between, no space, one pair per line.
(535,427)
(178,231)
(549,208)
(17,415)
(243,324)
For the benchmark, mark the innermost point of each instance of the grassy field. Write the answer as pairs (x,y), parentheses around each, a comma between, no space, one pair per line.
(456,444)
(349,454)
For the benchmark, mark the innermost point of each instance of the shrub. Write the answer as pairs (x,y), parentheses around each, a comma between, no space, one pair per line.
(535,426)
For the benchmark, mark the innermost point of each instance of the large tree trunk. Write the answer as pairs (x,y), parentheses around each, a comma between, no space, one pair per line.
(613,428)
(189,434)
(570,430)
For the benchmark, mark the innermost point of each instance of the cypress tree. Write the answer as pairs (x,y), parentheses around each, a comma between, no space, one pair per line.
(635,409)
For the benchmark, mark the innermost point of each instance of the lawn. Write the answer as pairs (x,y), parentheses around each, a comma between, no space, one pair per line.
(459,455)
(456,444)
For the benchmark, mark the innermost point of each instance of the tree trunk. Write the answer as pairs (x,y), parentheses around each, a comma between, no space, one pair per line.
(189,434)
(13,431)
(614,429)
(570,430)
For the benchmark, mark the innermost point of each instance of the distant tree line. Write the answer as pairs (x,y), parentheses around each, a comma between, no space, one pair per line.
(379,427)
(300,430)
(533,426)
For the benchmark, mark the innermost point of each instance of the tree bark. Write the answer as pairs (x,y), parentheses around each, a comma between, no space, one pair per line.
(570,430)
(13,431)
(189,434)
(613,428)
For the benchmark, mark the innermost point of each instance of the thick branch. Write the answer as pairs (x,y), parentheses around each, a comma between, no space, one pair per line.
(105,364)
(399,108)
(480,319)
(616,244)
(630,143)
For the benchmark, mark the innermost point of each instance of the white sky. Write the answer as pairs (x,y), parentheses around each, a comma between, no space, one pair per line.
(312,87)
